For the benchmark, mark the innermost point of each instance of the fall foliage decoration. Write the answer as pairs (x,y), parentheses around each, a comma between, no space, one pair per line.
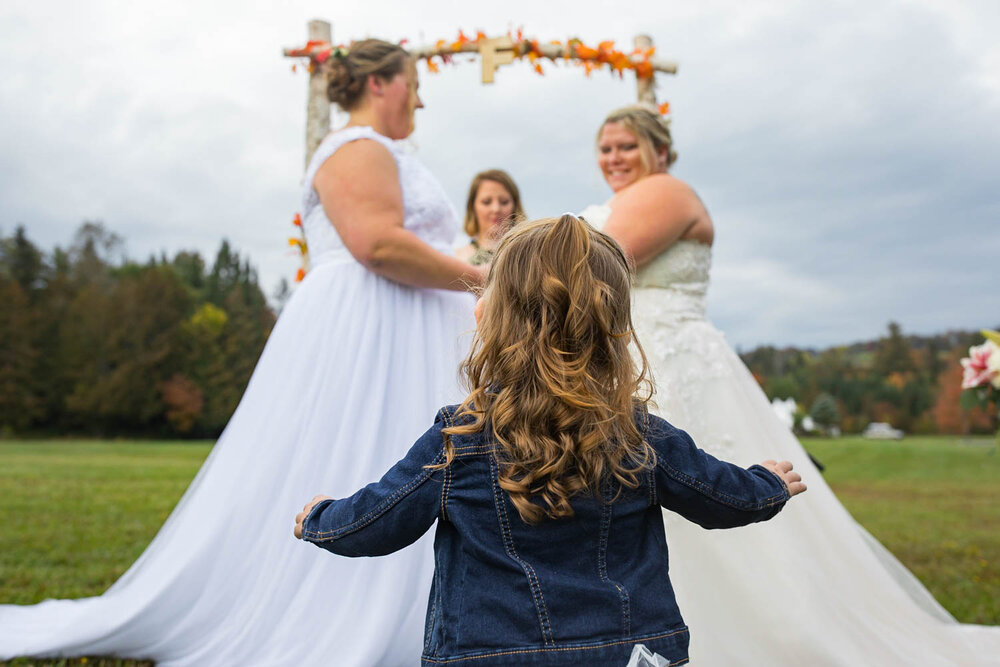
(572,51)
(299,243)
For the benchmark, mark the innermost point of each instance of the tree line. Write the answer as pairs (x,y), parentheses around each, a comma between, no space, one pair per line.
(911,382)
(92,342)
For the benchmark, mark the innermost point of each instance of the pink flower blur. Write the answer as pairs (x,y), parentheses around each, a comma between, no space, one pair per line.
(978,371)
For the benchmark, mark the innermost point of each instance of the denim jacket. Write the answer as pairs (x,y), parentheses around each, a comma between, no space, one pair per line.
(579,591)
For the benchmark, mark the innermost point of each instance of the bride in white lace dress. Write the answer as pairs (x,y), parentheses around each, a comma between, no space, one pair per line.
(812,588)
(358,362)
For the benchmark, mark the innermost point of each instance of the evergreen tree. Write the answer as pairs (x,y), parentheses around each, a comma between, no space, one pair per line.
(893,354)
(20,403)
(136,345)
(22,261)
(190,267)
(825,412)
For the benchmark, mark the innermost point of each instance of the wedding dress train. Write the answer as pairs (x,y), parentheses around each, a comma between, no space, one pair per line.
(354,371)
(810,587)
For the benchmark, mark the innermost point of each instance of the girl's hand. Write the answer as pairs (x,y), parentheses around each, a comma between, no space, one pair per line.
(783,469)
(301,516)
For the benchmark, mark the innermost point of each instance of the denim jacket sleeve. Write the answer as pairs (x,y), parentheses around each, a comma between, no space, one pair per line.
(707,491)
(389,514)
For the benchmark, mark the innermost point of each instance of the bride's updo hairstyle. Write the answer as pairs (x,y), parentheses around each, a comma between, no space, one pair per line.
(550,373)
(651,129)
(348,74)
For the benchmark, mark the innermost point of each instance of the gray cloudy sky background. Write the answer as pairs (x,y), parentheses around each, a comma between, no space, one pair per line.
(849,151)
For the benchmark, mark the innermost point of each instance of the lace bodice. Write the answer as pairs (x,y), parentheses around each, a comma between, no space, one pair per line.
(681,272)
(685,352)
(427,211)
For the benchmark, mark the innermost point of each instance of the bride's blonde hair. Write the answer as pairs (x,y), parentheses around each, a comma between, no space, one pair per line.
(550,371)
(650,129)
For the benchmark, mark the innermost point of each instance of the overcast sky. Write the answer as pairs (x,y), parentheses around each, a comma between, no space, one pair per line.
(848,151)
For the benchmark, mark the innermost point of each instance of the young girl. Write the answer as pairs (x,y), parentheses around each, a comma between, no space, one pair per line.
(546,483)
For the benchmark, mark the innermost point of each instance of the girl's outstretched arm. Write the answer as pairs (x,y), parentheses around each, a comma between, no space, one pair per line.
(710,492)
(386,515)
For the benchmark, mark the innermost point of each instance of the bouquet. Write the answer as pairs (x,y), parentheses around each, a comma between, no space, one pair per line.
(981,377)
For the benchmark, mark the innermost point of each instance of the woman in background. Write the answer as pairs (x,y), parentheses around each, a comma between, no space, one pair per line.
(493,204)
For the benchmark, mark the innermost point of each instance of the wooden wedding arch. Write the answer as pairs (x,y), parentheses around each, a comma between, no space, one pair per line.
(493,52)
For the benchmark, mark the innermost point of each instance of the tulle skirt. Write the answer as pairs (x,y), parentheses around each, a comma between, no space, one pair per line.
(809,587)
(352,374)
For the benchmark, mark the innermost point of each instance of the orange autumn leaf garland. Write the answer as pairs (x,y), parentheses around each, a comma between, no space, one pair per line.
(300,244)
(590,58)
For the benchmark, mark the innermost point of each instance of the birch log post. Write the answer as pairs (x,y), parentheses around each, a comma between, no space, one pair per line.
(318,105)
(644,86)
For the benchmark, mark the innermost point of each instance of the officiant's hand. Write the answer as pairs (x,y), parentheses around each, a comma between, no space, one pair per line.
(301,516)
(481,273)
(783,469)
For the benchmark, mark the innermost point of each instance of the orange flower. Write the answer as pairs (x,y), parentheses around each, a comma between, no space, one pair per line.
(297,220)
(432,67)
(294,69)
(292,241)
(664,108)
(619,61)
(538,68)
(585,52)
(480,36)
(440,44)
(461,41)
(300,274)
(644,70)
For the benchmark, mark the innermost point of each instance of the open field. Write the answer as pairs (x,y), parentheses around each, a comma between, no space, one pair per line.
(77,513)
(935,503)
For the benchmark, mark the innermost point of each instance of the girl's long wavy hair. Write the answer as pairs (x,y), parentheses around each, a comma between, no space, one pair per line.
(550,371)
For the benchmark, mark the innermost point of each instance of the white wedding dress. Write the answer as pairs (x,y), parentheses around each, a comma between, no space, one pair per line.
(809,587)
(352,374)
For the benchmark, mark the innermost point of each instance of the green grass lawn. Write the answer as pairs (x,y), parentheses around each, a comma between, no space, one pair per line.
(77,513)
(935,503)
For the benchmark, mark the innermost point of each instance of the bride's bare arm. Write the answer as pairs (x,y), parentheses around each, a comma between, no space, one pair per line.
(360,193)
(654,213)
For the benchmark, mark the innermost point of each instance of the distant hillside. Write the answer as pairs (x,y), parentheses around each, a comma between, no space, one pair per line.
(910,381)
